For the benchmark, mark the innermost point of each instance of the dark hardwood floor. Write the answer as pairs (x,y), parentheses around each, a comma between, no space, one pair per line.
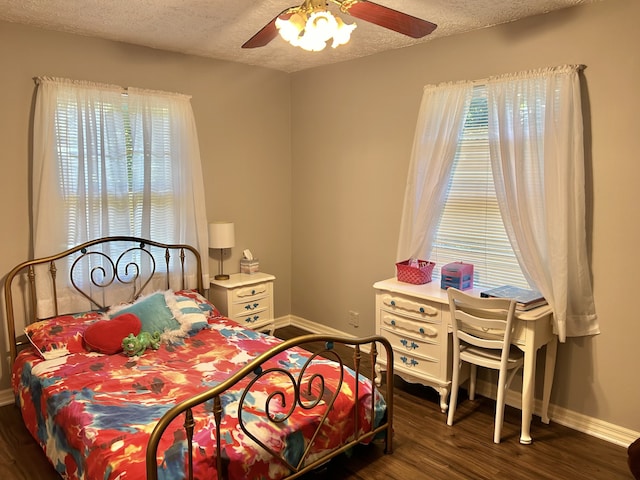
(424,446)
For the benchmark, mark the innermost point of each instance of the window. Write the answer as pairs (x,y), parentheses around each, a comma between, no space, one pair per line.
(535,139)
(133,178)
(471,228)
(110,162)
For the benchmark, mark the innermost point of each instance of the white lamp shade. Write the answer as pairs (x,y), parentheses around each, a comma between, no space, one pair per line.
(221,235)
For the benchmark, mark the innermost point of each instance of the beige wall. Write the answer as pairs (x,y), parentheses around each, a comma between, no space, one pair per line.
(352,130)
(312,166)
(243,120)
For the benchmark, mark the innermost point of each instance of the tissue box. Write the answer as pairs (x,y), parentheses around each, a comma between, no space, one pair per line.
(457,275)
(249,266)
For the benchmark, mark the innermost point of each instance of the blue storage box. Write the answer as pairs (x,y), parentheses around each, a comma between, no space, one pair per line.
(457,275)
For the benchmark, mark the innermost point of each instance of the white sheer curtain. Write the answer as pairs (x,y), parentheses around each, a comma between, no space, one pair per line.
(535,130)
(536,141)
(110,162)
(440,121)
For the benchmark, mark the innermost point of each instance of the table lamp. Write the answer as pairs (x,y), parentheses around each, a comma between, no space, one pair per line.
(221,235)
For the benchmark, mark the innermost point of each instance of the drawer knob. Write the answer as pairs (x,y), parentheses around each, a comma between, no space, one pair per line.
(393,322)
(421,309)
(393,303)
(429,331)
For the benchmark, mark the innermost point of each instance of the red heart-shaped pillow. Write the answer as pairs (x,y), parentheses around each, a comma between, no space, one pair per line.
(105,336)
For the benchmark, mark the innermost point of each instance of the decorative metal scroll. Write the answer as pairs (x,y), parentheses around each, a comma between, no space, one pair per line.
(303,396)
(89,273)
(126,270)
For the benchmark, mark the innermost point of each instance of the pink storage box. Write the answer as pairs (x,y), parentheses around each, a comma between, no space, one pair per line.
(457,275)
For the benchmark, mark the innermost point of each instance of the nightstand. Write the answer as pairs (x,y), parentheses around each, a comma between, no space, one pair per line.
(247,299)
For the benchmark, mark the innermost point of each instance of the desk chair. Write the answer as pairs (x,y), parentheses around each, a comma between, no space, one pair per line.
(482,330)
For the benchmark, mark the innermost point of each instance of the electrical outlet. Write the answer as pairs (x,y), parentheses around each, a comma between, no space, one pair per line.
(354,318)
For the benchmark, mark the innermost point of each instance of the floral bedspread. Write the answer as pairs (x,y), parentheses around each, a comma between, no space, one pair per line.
(92,413)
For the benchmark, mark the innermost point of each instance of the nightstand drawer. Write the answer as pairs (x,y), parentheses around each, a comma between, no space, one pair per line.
(245,294)
(246,308)
(253,319)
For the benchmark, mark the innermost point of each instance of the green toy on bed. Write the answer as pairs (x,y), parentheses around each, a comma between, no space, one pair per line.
(135,345)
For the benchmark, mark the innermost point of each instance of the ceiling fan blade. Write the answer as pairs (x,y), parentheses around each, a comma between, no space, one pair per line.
(267,33)
(388,18)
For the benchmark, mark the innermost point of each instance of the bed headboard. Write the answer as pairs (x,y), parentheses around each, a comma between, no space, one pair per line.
(101,272)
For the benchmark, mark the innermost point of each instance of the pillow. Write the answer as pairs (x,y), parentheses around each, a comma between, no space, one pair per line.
(188,313)
(105,336)
(209,310)
(153,312)
(59,336)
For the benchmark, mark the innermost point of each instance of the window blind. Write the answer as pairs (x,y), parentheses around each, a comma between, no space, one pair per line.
(117,175)
(471,228)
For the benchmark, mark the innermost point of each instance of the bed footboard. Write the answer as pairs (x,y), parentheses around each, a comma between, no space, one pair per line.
(302,385)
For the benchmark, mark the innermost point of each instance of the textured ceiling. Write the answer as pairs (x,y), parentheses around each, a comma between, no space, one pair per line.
(218,28)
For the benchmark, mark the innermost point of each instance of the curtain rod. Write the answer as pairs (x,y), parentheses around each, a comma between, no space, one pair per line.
(521,74)
(124,90)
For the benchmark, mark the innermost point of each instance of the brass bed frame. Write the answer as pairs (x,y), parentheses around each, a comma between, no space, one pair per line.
(118,268)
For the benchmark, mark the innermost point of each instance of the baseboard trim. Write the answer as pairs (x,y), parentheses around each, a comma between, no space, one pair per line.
(316,327)
(576,421)
(591,426)
(568,418)
(6,397)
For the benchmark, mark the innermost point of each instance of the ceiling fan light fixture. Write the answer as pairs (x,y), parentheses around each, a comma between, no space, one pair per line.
(292,28)
(312,32)
(291,23)
(321,25)
(310,43)
(343,33)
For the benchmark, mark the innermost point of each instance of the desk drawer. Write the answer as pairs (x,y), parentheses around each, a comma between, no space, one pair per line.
(412,307)
(423,331)
(414,355)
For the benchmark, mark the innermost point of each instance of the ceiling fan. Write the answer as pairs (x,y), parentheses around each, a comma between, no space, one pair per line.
(362,9)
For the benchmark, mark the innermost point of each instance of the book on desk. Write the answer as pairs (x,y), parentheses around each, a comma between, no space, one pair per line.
(525,299)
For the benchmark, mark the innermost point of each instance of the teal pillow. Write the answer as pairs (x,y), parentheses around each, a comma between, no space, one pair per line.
(153,312)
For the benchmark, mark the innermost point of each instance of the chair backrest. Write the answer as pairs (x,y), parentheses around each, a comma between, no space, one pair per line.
(482,322)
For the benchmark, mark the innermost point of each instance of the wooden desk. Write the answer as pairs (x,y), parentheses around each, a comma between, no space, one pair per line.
(416,320)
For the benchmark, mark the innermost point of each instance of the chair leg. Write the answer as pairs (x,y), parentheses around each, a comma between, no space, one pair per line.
(453,398)
(500,398)
(472,381)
